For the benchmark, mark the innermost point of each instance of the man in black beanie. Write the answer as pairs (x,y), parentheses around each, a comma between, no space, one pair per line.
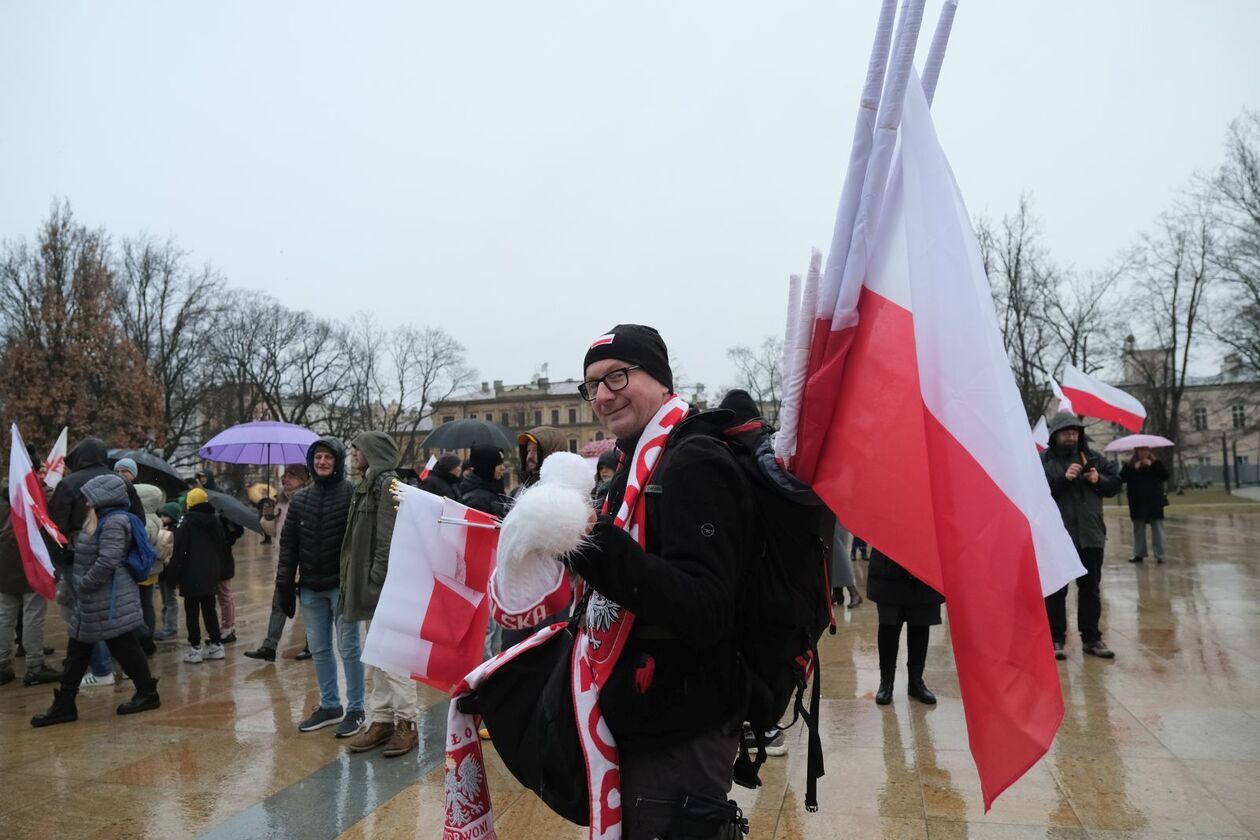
(674,700)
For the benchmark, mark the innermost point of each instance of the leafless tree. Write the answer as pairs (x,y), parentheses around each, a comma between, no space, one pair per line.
(1079,312)
(428,366)
(170,311)
(759,373)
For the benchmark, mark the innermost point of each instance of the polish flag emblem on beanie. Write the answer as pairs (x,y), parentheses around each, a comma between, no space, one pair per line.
(602,340)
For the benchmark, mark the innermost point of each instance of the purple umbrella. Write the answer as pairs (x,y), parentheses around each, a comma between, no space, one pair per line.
(263,442)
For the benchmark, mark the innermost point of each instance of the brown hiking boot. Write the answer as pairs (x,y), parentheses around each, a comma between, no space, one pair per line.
(372,737)
(404,741)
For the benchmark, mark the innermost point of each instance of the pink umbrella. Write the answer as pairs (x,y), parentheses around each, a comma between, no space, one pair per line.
(1131,442)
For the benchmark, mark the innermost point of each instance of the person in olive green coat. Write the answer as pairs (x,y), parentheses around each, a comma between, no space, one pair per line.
(392,705)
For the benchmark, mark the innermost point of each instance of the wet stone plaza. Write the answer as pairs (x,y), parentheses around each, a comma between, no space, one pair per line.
(1163,741)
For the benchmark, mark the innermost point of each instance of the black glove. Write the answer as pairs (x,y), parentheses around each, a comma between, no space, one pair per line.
(286,599)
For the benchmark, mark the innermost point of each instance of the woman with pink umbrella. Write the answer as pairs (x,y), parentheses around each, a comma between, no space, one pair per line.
(1144,476)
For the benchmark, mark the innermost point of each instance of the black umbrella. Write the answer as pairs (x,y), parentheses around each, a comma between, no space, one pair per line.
(234,510)
(153,470)
(463,434)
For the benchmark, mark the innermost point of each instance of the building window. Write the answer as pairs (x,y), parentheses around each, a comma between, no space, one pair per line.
(599,436)
(1205,460)
(520,419)
(572,416)
(1200,419)
(537,418)
(555,417)
(504,419)
(448,418)
(573,444)
(1242,460)
(489,417)
(1239,413)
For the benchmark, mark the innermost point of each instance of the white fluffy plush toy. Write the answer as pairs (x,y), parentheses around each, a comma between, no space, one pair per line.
(547,521)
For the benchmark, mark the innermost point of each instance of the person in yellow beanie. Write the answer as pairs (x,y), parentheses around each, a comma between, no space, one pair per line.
(201,551)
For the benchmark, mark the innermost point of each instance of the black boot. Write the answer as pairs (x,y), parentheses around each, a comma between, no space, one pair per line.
(920,692)
(884,696)
(62,710)
(145,698)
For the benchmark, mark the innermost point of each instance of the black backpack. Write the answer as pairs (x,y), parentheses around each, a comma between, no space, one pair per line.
(785,602)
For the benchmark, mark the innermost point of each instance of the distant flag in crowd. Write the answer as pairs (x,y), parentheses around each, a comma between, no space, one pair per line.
(55,463)
(1041,435)
(29,514)
(430,622)
(1091,397)
(428,467)
(1065,404)
(911,352)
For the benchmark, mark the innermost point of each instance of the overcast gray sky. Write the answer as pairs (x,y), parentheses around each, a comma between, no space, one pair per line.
(527,174)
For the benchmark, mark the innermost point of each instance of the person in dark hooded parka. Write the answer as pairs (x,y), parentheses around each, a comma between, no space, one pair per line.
(443,479)
(200,555)
(1079,480)
(108,605)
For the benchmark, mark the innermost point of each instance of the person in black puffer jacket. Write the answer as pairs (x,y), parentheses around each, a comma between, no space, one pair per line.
(443,479)
(902,599)
(310,563)
(483,489)
(197,562)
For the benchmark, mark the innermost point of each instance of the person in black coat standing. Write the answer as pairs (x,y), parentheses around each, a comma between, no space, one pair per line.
(443,479)
(902,599)
(1144,476)
(197,563)
(483,490)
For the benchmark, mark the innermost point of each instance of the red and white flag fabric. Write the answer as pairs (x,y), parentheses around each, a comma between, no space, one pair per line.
(430,622)
(1091,397)
(55,463)
(428,467)
(29,514)
(1065,404)
(1041,435)
(961,501)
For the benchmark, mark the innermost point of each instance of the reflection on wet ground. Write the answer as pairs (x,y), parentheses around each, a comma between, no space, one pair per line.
(1163,741)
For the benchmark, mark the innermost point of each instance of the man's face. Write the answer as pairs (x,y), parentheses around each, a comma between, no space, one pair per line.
(1067,437)
(126,476)
(627,412)
(531,456)
(457,470)
(606,473)
(291,483)
(359,460)
(325,462)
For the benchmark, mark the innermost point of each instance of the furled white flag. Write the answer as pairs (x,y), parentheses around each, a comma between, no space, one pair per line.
(55,463)
(430,622)
(1065,404)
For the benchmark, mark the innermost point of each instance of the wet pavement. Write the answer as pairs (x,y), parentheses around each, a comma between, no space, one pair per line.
(1164,741)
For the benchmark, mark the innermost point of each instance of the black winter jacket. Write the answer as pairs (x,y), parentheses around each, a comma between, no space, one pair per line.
(201,553)
(441,484)
(67,508)
(683,589)
(485,496)
(310,544)
(1080,503)
(1145,489)
(889,584)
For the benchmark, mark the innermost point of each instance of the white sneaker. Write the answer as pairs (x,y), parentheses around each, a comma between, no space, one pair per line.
(90,679)
(193,655)
(213,651)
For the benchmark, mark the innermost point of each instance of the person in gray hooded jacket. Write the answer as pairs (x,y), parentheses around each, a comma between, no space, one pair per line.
(108,606)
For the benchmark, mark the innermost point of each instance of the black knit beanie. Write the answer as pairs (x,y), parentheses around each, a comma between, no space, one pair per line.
(637,345)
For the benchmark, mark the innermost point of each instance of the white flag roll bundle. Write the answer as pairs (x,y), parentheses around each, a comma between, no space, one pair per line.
(430,622)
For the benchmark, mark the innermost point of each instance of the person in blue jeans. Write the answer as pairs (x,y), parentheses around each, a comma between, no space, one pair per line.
(310,564)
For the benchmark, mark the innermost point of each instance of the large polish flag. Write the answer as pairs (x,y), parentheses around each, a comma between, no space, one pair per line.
(29,514)
(1091,397)
(953,491)
(430,622)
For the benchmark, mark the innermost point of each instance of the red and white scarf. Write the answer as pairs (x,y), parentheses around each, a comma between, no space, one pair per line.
(598,645)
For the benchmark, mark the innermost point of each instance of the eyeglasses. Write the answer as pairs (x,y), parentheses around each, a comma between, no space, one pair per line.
(613,381)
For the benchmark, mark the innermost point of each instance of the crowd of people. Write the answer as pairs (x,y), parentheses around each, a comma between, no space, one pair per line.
(671,699)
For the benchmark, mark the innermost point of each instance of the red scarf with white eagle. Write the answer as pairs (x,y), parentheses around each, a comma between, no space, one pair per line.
(595,652)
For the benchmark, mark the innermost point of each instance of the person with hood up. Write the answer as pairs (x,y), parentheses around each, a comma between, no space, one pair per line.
(605,469)
(393,705)
(86,460)
(902,599)
(1144,476)
(1079,480)
(163,542)
(108,606)
(535,445)
(20,606)
(295,477)
(310,563)
(482,489)
(443,479)
(196,566)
